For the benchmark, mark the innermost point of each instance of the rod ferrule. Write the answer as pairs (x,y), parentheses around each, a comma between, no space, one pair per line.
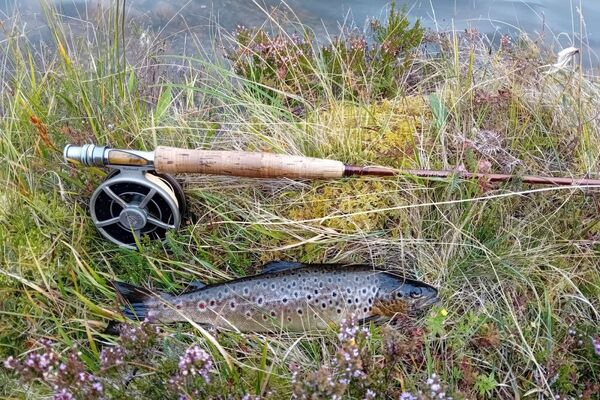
(88,154)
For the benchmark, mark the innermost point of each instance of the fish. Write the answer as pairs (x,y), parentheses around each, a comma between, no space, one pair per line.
(286,296)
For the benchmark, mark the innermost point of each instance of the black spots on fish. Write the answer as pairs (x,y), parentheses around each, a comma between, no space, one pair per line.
(294,283)
(364,290)
(164,306)
(232,305)
(323,305)
(289,319)
(212,302)
(349,301)
(308,297)
(357,279)
(321,284)
(220,296)
(259,301)
(273,314)
(365,309)
(299,311)
(265,284)
(348,290)
(356,300)
(246,291)
(272,286)
(330,301)
(316,291)
(334,294)
(264,317)
(370,300)
(284,300)
(296,294)
(316,280)
(202,305)
(374,289)
(338,310)
(248,314)
(330,280)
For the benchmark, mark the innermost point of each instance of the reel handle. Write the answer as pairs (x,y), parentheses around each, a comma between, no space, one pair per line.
(240,163)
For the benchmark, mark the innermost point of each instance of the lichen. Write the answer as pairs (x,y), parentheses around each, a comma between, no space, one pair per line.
(383,133)
(350,206)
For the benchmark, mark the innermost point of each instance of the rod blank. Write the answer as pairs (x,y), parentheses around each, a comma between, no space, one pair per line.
(268,165)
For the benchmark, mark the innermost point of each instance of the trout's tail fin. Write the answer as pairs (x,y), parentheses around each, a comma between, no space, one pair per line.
(134,300)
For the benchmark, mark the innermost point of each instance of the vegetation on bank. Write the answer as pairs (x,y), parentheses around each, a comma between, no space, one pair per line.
(517,266)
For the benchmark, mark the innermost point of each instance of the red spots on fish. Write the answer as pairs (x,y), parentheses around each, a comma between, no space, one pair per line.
(202,306)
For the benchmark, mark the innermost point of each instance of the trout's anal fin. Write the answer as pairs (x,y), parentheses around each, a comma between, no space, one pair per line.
(276,266)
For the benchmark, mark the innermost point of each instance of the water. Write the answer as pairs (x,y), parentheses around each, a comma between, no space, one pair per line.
(562,23)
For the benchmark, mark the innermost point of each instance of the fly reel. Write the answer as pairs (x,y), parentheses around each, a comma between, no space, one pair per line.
(131,204)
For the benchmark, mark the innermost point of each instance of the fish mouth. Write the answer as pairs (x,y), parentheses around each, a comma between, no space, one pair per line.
(427,302)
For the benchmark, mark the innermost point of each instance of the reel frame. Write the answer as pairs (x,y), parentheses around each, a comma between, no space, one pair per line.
(134,202)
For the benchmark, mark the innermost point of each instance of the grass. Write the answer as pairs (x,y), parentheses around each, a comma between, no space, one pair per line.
(517,266)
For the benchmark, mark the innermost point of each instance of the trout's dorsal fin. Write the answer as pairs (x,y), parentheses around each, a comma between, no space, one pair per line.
(194,286)
(276,266)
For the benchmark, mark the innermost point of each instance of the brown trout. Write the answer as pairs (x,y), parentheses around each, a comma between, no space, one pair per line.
(285,296)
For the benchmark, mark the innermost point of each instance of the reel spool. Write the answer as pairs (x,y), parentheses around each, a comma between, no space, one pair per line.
(134,203)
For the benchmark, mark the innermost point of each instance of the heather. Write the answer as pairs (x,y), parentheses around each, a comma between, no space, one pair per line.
(517,265)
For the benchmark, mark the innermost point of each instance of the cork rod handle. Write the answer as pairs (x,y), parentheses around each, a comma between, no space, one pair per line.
(241,163)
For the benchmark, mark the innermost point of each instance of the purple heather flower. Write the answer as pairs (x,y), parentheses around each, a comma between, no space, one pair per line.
(407,396)
(10,363)
(596,344)
(370,395)
(64,394)
(196,361)
(112,357)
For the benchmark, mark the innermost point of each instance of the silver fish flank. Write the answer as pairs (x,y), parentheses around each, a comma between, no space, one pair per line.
(285,296)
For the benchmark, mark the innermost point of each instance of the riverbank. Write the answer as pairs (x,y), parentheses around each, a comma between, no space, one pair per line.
(517,267)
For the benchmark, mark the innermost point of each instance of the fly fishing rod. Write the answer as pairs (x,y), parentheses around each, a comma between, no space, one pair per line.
(140,198)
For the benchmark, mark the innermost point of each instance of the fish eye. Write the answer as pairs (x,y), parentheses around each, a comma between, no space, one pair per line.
(416,293)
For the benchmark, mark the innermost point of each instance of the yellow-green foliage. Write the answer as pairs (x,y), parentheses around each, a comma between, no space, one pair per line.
(383,133)
(348,206)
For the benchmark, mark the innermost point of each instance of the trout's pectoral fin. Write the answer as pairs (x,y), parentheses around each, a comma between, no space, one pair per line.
(276,266)
(376,319)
